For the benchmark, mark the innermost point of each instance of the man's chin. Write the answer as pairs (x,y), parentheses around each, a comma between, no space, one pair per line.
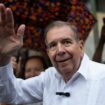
(64,70)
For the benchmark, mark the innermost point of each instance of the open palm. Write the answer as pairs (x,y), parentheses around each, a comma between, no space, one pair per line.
(9,40)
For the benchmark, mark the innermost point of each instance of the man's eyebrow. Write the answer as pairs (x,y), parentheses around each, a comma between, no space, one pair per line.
(69,39)
(51,43)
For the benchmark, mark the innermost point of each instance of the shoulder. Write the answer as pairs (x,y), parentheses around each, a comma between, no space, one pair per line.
(50,71)
(49,74)
(96,70)
(50,77)
(97,66)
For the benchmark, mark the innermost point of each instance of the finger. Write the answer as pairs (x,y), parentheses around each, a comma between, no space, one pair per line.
(21,29)
(2,14)
(9,18)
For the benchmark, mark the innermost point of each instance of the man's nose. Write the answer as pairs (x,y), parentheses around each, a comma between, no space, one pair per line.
(60,49)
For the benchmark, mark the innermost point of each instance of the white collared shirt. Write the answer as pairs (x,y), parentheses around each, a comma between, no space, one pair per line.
(86,87)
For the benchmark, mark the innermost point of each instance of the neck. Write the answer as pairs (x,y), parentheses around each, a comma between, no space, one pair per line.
(67,77)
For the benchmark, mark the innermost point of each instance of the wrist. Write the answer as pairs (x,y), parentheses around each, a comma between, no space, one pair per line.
(4,59)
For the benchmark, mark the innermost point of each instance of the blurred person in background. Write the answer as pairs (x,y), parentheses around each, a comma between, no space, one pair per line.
(34,65)
(16,65)
(100,47)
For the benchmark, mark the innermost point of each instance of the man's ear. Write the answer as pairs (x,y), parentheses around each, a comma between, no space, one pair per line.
(81,43)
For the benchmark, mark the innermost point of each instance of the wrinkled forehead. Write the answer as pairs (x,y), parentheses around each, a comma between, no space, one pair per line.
(56,32)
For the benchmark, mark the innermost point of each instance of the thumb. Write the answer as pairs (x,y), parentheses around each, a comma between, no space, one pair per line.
(20,31)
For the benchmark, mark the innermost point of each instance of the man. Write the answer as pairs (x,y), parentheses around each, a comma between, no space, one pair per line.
(74,79)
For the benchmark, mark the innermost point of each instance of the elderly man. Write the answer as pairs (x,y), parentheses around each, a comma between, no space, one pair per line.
(73,79)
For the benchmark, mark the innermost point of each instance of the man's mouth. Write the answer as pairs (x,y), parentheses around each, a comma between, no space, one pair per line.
(64,60)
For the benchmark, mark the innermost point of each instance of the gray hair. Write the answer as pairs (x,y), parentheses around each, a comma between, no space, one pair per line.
(61,24)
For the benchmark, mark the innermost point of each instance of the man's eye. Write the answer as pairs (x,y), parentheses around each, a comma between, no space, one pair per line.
(66,43)
(52,46)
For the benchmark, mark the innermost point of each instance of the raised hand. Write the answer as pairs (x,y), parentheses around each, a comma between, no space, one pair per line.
(9,40)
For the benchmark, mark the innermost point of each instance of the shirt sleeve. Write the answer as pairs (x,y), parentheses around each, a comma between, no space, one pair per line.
(18,91)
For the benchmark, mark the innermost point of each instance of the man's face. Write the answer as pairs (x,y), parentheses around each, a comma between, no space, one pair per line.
(63,50)
(33,68)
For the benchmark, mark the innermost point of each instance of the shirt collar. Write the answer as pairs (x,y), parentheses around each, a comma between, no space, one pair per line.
(82,69)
